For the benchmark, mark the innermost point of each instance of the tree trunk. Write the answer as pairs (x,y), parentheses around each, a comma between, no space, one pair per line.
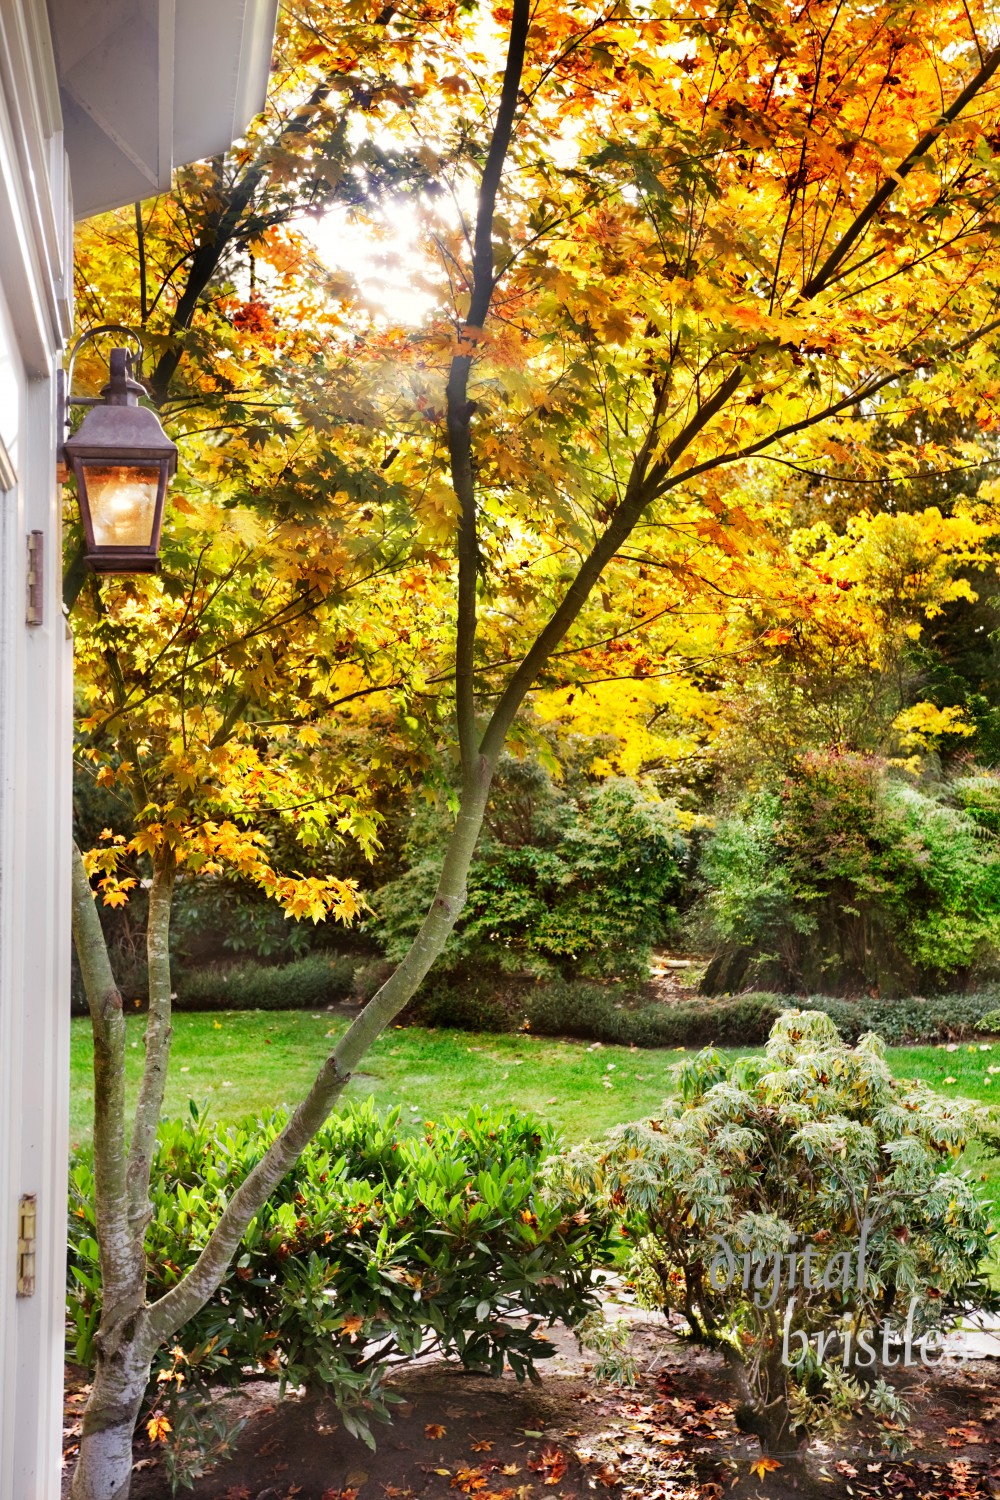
(104,1467)
(130,1331)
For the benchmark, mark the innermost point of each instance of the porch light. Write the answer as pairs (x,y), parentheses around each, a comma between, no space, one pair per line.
(122,460)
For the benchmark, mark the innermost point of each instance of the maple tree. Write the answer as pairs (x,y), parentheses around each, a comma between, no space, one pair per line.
(673,245)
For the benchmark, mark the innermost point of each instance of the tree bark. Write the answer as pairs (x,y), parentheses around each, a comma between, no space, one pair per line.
(104,1468)
(159,1033)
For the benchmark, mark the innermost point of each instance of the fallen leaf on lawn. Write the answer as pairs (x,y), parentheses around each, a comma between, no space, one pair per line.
(433,1431)
(764,1466)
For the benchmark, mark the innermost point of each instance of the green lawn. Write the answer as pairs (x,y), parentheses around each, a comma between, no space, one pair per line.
(242,1062)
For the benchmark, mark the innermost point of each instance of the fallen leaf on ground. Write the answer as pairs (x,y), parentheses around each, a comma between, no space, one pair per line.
(551,1462)
(469,1481)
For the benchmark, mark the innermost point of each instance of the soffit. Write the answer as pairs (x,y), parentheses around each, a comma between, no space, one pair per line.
(148,85)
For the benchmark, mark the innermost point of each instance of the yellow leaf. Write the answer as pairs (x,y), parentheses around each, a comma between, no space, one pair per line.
(158,1427)
(764,1466)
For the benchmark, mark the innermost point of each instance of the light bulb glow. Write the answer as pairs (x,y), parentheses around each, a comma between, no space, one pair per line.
(122,501)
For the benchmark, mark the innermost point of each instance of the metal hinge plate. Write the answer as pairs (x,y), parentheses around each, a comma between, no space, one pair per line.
(34,612)
(26,1234)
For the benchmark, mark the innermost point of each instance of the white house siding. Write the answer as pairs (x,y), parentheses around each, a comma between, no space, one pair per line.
(35,752)
(228,43)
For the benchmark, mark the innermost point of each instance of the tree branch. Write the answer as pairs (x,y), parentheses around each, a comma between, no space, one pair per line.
(878,200)
(459,407)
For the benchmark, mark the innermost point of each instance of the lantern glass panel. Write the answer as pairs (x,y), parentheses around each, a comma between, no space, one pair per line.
(122,500)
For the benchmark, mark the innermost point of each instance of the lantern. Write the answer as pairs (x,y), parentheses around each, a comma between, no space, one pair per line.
(122,460)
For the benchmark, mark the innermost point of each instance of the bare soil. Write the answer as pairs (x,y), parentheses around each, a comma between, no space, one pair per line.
(671,1437)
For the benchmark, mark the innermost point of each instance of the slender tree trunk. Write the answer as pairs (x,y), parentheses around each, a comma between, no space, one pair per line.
(131,1331)
(159,1033)
(105,1467)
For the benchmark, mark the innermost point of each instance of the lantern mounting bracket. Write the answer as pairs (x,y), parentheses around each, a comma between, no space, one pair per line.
(65,396)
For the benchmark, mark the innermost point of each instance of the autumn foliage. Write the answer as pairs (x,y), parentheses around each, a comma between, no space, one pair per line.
(689,273)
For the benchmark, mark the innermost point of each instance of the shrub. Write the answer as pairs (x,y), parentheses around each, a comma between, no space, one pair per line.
(369,978)
(979,796)
(799,1193)
(580,879)
(943,1018)
(212,915)
(379,1247)
(604,1015)
(467,1007)
(320,979)
(846,879)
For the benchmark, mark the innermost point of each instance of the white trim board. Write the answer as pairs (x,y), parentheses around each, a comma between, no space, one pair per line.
(8,476)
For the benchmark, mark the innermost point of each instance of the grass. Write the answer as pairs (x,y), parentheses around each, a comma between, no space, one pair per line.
(242,1062)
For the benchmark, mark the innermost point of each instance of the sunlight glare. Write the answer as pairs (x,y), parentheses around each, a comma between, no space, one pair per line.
(386,259)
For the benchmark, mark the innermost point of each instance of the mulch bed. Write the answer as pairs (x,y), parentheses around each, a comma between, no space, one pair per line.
(671,1437)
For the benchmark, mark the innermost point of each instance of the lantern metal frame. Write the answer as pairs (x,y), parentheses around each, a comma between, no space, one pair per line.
(117,433)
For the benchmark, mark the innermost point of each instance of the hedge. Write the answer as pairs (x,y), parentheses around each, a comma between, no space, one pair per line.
(597,1014)
(319,979)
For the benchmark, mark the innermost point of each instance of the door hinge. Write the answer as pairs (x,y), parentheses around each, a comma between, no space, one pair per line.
(26,1217)
(34,612)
